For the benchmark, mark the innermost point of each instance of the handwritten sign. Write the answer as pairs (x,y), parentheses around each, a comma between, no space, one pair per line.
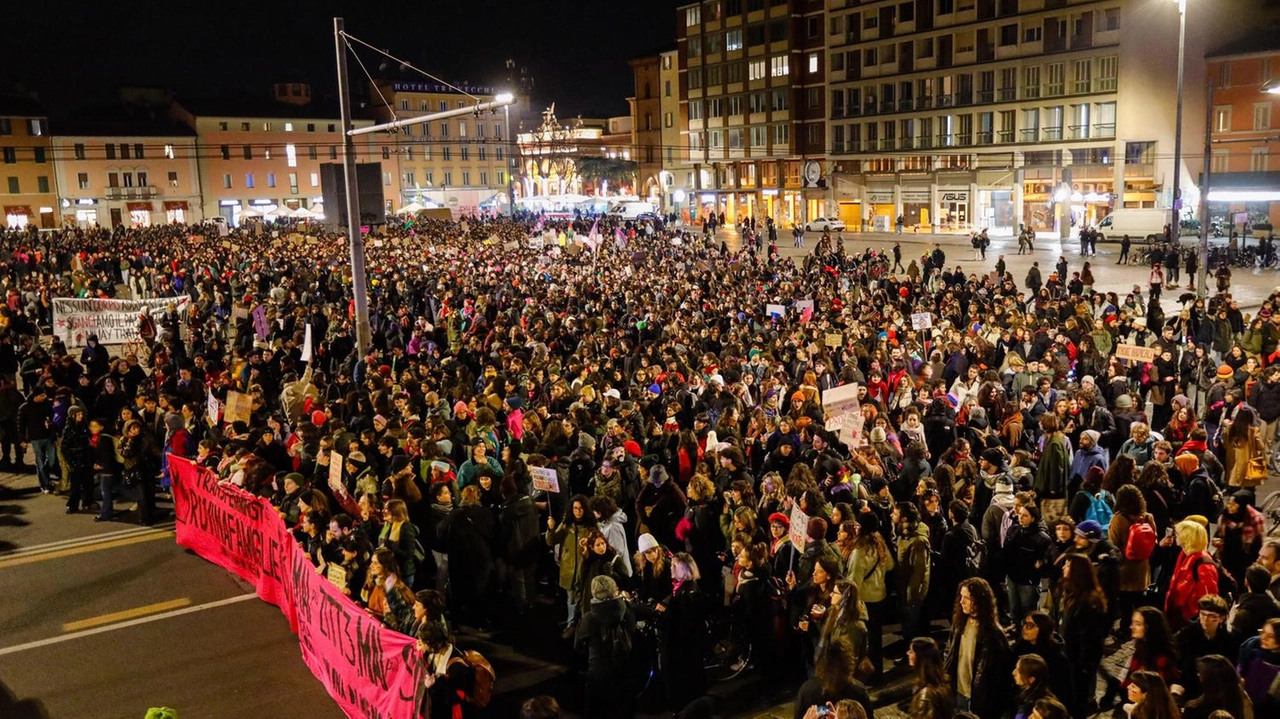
(213,408)
(835,339)
(239,408)
(799,527)
(306,345)
(261,328)
(335,471)
(336,575)
(1137,353)
(842,399)
(545,479)
(921,321)
(777,311)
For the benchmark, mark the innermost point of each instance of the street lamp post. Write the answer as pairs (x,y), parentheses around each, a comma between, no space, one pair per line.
(1175,224)
(1202,274)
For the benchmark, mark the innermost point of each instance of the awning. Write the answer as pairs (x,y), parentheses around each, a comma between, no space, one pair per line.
(18,210)
(138,206)
(175,205)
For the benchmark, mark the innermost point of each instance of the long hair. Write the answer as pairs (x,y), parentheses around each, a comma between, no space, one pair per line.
(984,606)
(847,612)
(930,668)
(1158,639)
(1158,702)
(1221,686)
(1120,473)
(873,542)
(833,667)
(1238,432)
(1080,584)
(1130,503)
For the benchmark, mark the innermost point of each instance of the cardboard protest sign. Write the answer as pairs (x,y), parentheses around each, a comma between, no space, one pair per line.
(921,321)
(335,470)
(212,408)
(834,339)
(1137,353)
(778,311)
(306,345)
(799,527)
(239,408)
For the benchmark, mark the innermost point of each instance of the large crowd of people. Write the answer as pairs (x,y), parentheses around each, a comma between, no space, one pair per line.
(619,417)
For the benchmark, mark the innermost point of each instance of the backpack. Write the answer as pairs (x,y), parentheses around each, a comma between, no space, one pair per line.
(482,692)
(1141,542)
(1227,585)
(1216,503)
(975,554)
(1006,523)
(1100,508)
(618,640)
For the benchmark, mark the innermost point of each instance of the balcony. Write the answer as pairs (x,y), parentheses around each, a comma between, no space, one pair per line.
(986,96)
(1107,130)
(145,192)
(1008,94)
(964,97)
(1030,134)
(984,138)
(905,104)
(944,101)
(1052,133)
(924,142)
(964,139)
(1079,132)
(924,103)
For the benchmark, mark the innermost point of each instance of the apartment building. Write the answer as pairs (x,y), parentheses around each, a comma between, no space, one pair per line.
(1244,178)
(124,166)
(259,154)
(27,192)
(461,162)
(674,125)
(752,96)
(958,114)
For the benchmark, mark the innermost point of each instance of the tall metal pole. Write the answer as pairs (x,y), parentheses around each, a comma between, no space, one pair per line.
(1177,138)
(358,284)
(1202,276)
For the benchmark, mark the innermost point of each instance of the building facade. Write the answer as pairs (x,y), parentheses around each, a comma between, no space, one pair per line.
(459,162)
(752,79)
(1244,177)
(956,115)
(646,124)
(674,128)
(28,186)
(255,156)
(132,173)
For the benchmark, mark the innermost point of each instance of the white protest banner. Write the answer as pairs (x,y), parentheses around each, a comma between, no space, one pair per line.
(799,527)
(545,479)
(778,311)
(115,322)
(840,400)
(536,242)
(306,345)
(213,408)
(921,321)
(802,305)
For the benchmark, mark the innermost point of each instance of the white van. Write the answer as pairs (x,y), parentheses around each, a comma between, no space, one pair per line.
(632,210)
(1139,225)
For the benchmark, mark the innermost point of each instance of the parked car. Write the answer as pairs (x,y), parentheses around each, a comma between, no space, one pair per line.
(825,224)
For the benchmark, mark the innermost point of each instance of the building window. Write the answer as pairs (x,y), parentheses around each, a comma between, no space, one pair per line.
(445,154)
(1030,82)
(244,127)
(248,180)
(36,127)
(6,126)
(142,179)
(173,179)
(168,152)
(466,178)
(692,16)
(333,152)
(870,58)
(1222,119)
(113,179)
(733,40)
(1083,71)
(780,66)
(448,177)
(464,153)
(781,100)
(82,180)
(1224,75)
(1057,79)
(226,152)
(226,181)
(137,152)
(291,155)
(1035,33)
(1262,116)
(14,187)
(311,152)
(1221,161)
(1108,70)
(756,70)
(10,155)
(1258,159)
(386,152)
(266,127)
(482,153)
(1008,35)
(813,63)
(1111,19)
(79,150)
(293,183)
(782,135)
(248,152)
(271,179)
(315,179)
(39,155)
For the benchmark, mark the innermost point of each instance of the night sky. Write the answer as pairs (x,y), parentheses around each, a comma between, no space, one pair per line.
(577,50)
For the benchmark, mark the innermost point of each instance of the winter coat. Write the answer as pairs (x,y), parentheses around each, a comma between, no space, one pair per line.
(1135,575)
(1265,398)
(1257,666)
(1084,631)
(468,537)
(1252,611)
(913,565)
(659,508)
(614,529)
(865,570)
(1194,576)
(403,547)
(1024,548)
(1052,472)
(992,665)
(595,565)
(604,627)
(518,522)
(569,536)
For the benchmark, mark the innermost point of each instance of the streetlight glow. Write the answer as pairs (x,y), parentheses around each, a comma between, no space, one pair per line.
(503,97)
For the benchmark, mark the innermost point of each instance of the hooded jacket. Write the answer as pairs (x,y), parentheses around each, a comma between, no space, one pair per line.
(913,564)
(605,633)
(614,530)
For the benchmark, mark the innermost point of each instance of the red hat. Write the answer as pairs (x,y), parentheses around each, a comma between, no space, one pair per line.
(384,370)
(780,518)
(632,447)
(318,418)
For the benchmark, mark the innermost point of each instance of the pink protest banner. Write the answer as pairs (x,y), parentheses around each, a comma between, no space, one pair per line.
(369,670)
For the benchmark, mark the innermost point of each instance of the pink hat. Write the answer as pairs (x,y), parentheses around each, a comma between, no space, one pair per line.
(460,407)
(318,418)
